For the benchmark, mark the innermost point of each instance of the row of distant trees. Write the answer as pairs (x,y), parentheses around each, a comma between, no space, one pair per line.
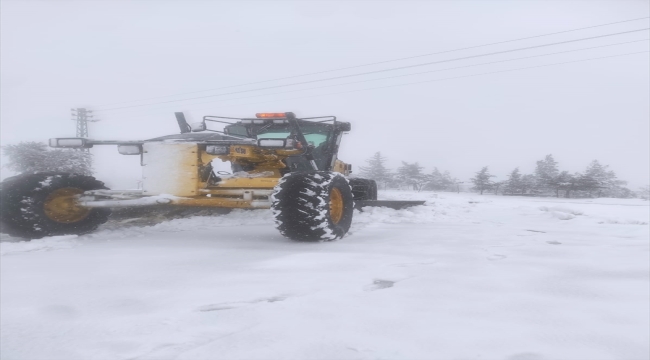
(595,180)
(410,175)
(546,180)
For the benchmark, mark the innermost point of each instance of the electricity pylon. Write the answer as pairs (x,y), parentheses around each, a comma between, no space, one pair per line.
(82,118)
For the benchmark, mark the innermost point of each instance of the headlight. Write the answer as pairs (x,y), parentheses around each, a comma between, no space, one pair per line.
(254,121)
(218,149)
(276,143)
(199,126)
(68,143)
(129,149)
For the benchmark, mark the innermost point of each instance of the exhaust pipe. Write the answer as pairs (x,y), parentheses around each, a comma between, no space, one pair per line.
(182,123)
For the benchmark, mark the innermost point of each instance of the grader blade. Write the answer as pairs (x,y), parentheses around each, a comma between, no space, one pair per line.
(393,204)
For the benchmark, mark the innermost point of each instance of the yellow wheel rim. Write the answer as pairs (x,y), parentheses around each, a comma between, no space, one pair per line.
(61,206)
(336,205)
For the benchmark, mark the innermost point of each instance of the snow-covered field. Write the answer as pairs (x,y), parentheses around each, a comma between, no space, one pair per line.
(464,277)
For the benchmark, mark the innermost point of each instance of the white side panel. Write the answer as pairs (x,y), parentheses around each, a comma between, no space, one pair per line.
(170,168)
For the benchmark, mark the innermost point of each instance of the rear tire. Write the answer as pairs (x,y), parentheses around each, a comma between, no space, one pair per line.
(312,206)
(38,205)
(363,189)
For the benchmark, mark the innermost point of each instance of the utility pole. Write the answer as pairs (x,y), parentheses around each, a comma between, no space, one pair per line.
(82,119)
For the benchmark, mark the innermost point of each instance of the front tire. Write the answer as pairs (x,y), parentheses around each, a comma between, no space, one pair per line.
(42,204)
(312,206)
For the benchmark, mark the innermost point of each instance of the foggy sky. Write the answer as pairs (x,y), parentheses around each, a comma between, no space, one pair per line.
(57,55)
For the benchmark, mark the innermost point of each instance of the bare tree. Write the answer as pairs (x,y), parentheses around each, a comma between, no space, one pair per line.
(31,157)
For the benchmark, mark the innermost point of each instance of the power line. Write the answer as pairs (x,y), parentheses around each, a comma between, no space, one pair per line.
(380,62)
(404,75)
(450,78)
(436,80)
(380,71)
(488,73)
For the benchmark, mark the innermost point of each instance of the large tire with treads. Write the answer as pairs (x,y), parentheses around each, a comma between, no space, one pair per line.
(313,206)
(42,204)
(363,189)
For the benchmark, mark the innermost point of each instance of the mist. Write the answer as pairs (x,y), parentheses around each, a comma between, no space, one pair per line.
(497,206)
(132,63)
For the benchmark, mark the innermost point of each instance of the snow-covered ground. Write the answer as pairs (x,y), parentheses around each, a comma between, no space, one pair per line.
(464,277)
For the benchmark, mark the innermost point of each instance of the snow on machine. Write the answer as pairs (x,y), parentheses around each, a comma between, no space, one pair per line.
(278,161)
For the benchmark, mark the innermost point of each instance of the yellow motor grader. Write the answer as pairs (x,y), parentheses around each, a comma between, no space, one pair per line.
(278,161)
